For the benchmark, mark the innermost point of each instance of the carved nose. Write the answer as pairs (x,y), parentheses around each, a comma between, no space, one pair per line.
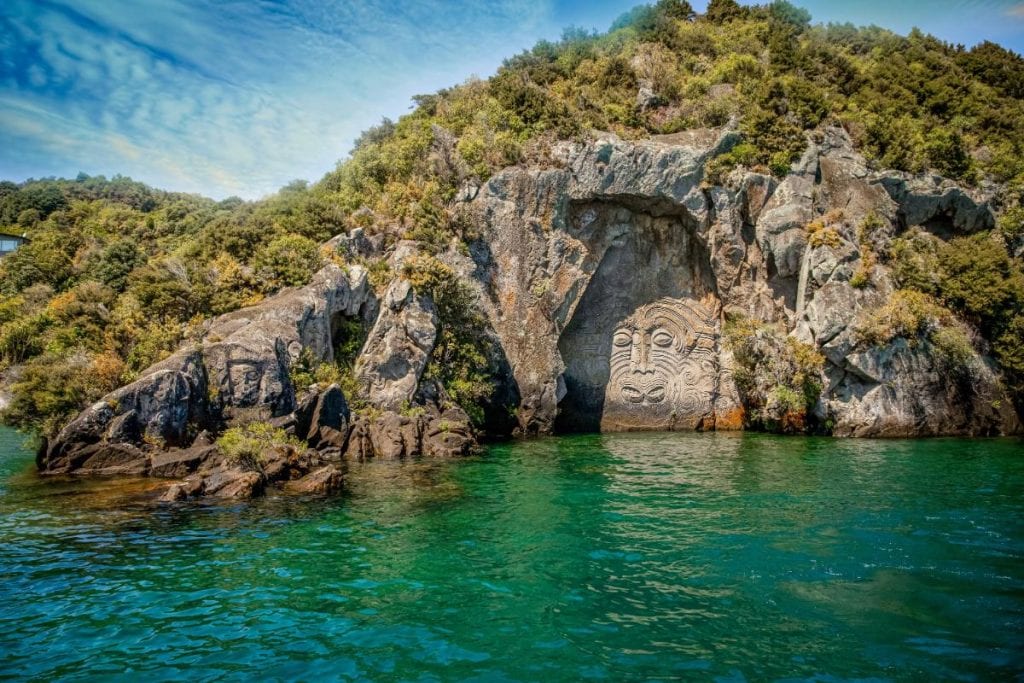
(641,353)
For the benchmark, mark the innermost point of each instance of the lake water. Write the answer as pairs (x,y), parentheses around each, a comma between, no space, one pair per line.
(627,557)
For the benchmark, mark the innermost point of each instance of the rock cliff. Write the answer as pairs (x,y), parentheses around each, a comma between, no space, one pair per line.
(623,291)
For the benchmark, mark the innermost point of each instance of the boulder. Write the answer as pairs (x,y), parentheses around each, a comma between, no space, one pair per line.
(328,479)
(178,463)
(190,487)
(398,347)
(322,418)
(426,432)
(234,482)
(902,389)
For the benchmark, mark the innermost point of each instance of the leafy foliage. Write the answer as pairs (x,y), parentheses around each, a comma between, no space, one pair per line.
(973,276)
(778,376)
(248,446)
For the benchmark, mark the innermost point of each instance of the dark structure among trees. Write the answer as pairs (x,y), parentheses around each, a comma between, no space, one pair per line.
(9,243)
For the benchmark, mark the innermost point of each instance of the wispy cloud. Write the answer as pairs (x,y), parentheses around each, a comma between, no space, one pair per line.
(1016,11)
(228,98)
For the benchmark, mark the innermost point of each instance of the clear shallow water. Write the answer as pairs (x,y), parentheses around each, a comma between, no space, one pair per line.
(630,557)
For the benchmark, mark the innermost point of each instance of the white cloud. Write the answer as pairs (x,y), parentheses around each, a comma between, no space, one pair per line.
(229,98)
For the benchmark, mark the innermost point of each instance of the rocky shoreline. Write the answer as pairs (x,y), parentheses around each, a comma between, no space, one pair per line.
(619,289)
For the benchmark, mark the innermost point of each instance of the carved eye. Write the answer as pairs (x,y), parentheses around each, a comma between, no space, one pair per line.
(622,339)
(662,339)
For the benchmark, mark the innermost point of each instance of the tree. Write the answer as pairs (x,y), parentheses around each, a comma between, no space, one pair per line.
(723,11)
(287,261)
(116,262)
(675,9)
(790,14)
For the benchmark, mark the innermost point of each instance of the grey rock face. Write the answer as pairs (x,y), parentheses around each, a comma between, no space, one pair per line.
(629,220)
(398,347)
(938,204)
(572,259)
(901,390)
(237,375)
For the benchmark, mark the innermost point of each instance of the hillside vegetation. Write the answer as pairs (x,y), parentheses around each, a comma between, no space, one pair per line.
(117,274)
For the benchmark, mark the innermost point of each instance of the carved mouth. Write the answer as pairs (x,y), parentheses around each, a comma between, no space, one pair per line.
(652,394)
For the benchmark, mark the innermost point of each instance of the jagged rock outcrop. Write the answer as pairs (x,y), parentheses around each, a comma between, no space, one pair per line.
(607,281)
(430,432)
(322,419)
(573,261)
(904,390)
(398,347)
(238,373)
(289,469)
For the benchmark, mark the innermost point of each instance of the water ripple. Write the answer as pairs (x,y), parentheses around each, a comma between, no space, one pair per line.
(625,557)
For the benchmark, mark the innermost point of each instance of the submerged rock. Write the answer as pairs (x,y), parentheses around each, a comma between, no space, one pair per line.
(328,479)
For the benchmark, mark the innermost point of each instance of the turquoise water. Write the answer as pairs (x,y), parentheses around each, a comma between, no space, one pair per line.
(629,557)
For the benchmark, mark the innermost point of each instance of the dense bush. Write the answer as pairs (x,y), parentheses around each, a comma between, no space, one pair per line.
(248,446)
(117,274)
(907,314)
(778,376)
(976,278)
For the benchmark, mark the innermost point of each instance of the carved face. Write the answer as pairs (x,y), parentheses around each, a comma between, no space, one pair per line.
(662,367)
(245,382)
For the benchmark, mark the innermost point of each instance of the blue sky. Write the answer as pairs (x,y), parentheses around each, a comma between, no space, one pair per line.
(239,97)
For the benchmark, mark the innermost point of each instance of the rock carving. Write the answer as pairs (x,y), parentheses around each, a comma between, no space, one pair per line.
(663,367)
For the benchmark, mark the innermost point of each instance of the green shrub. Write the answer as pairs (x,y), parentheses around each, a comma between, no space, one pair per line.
(723,11)
(248,446)
(907,314)
(915,263)
(22,338)
(868,235)
(287,261)
(778,377)
(1011,223)
(918,317)
(980,280)
(53,388)
(953,349)
(743,154)
(1009,350)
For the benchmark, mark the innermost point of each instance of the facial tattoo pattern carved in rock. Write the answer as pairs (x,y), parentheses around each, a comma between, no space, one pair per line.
(663,368)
